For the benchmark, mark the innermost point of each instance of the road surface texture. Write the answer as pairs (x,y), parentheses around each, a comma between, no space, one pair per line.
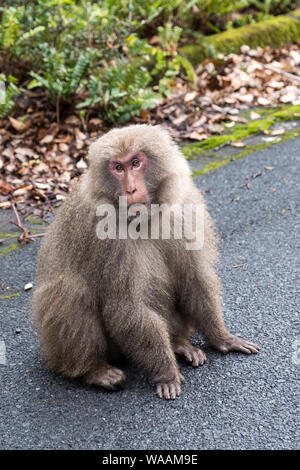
(233,401)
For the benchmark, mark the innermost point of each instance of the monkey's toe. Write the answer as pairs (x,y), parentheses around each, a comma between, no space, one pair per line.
(169,391)
(107,377)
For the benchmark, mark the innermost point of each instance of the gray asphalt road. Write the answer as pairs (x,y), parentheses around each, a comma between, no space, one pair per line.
(233,401)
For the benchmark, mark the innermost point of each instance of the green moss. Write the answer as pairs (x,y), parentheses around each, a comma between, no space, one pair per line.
(33,220)
(287,113)
(240,131)
(9,249)
(10,296)
(278,113)
(193,151)
(8,235)
(211,167)
(246,151)
(274,32)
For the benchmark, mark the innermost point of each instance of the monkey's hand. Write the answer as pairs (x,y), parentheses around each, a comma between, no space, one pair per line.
(233,343)
(170,390)
(191,354)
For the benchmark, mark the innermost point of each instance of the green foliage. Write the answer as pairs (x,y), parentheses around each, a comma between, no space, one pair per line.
(219,7)
(96,47)
(9,90)
(121,92)
(124,89)
(273,32)
(10,26)
(101,52)
(61,77)
(278,7)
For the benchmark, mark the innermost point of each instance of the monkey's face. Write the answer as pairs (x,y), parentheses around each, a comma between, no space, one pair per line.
(129,171)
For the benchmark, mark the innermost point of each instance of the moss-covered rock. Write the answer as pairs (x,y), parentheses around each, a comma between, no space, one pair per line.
(274,32)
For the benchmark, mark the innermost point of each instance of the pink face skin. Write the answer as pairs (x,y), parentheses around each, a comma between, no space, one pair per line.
(129,171)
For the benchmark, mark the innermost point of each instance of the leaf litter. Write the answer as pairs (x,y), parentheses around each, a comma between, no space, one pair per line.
(40,159)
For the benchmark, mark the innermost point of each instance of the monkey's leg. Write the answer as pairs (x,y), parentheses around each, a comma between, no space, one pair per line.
(183,347)
(71,334)
(142,335)
(203,304)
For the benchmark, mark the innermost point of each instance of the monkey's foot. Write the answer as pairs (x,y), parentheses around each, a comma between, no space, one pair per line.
(233,343)
(169,390)
(191,354)
(107,377)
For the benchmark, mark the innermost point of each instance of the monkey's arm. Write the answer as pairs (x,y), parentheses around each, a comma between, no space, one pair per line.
(142,336)
(202,303)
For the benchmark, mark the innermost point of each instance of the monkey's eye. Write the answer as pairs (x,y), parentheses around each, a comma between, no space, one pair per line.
(119,168)
(135,163)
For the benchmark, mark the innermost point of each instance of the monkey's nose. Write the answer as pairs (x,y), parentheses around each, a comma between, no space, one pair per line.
(131,191)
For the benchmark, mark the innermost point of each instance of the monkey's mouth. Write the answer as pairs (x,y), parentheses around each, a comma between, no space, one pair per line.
(137,208)
(137,204)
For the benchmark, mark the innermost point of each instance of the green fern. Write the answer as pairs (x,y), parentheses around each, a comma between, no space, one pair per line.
(10,26)
(8,96)
(78,72)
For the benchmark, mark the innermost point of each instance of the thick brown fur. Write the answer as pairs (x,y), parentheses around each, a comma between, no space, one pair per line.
(99,299)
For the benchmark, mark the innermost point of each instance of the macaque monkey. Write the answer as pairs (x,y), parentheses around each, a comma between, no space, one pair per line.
(100,298)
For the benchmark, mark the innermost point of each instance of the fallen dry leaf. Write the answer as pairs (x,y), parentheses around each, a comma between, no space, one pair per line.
(190,96)
(254,115)
(263,101)
(55,154)
(278,131)
(5,188)
(238,143)
(196,136)
(18,125)
(47,139)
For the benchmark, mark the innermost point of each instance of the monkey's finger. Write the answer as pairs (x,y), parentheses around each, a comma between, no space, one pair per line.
(241,349)
(179,378)
(245,347)
(166,391)
(183,351)
(254,348)
(173,391)
(196,360)
(159,390)
(178,389)
(188,356)
(202,357)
